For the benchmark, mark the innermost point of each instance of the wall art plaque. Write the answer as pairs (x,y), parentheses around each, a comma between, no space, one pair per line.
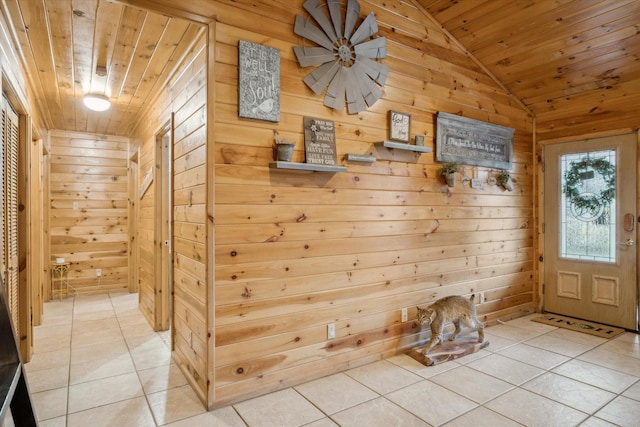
(259,82)
(473,142)
(320,141)
(399,126)
(345,52)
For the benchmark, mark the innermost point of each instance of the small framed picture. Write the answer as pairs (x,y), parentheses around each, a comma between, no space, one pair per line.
(399,126)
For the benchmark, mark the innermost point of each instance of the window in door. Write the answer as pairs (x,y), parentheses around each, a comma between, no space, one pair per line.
(588,206)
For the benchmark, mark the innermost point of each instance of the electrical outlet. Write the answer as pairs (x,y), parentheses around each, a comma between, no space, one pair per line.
(481,298)
(98,272)
(75,206)
(331,331)
(405,316)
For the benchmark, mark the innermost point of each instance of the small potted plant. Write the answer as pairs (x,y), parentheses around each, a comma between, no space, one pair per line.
(504,180)
(448,170)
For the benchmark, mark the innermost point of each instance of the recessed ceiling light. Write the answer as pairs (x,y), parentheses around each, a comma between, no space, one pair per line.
(96,102)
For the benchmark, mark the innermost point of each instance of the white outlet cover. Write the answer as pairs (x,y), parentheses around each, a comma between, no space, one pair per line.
(405,316)
(331,331)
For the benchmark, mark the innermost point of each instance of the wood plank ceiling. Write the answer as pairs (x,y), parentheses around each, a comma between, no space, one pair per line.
(74,47)
(575,64)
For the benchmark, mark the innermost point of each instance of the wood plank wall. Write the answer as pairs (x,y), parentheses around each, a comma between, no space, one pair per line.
(88,209)
(185,100)
(295,251)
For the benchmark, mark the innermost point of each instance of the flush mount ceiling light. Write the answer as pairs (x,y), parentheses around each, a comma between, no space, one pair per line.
(96,102)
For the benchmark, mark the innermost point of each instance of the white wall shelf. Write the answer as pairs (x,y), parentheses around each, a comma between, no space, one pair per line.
(306,167)
(404,146)
(362,158)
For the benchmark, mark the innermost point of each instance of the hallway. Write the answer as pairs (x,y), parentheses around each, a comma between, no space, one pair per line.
(97,363)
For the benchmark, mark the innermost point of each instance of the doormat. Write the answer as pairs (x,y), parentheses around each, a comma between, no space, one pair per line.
(585,326)
(446,351)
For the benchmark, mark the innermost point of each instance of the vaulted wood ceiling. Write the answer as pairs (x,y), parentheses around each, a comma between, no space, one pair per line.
(575,64)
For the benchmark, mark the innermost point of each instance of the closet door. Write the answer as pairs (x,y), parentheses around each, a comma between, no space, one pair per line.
(9,209)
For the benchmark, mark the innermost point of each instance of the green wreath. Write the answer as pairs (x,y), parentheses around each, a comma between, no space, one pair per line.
(597,206)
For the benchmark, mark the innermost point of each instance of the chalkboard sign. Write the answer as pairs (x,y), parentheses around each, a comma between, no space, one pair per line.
(259,82)
(473,142)
(320,141)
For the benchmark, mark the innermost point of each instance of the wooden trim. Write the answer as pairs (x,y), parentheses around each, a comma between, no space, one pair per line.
(201,12)
(36,258)
(25,329)
(134,203)
(211,206)
(78,135)
(592,135)
(637,226)
(538,218)
(162,201)
(46,214)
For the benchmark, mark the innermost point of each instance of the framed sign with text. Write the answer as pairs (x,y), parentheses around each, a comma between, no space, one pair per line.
(320,142)
(399,126)
(473,142)
(258,82)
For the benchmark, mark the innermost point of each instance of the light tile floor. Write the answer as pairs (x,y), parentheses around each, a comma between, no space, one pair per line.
(97,362)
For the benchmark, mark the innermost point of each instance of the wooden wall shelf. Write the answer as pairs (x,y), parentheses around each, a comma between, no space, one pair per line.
(404,146)
(306,167)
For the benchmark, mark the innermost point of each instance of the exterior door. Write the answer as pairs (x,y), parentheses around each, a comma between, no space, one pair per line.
(590,230)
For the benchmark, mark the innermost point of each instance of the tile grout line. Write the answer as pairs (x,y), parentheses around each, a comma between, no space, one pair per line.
(545,371)
(616,395)
(572,359)
(66,412)
(596,360)
(135,367)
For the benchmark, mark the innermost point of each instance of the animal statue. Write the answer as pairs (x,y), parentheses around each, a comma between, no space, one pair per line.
(455,309)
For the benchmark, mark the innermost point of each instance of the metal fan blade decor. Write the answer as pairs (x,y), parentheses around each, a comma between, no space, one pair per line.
(345,54)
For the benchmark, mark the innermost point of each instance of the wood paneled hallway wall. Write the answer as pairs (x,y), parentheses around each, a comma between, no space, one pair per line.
(287,252)
(265,259)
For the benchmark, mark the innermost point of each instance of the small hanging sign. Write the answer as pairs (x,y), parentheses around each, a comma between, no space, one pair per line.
(399,126)
(259,82)
(320,142)
(473,142)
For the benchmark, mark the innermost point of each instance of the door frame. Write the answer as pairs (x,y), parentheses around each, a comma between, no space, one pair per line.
(25,260)
(133,209)
(539,206)
(163,226)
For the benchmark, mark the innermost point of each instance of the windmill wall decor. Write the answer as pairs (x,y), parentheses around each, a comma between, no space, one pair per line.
(345,57)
